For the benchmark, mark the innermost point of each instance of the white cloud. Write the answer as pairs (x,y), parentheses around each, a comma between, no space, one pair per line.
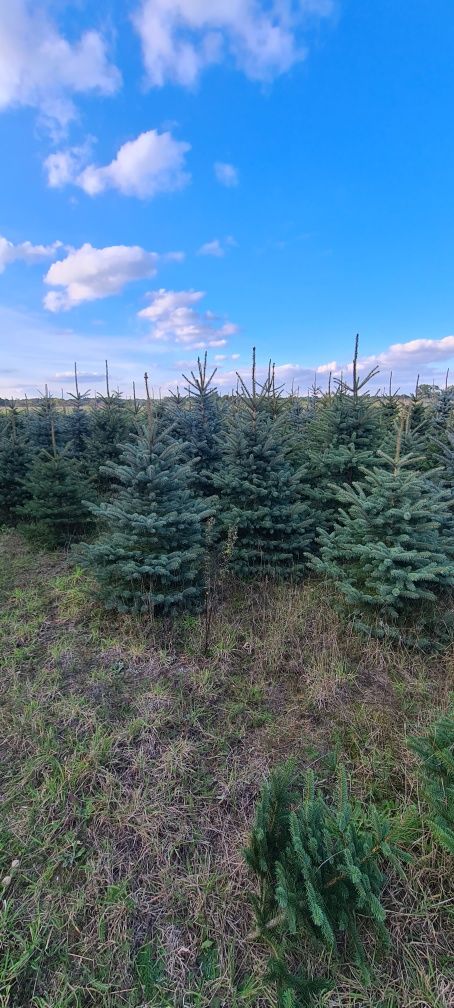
(175,319)
(419,351)
(226,174)
(40,68)
(25,252)
(180,38)
(88,273)
(152,163)
(212,248)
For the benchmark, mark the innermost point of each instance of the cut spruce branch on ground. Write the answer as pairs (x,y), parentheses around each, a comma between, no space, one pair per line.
(131,770)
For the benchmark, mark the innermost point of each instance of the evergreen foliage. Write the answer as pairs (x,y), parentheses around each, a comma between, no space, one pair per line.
(280,468)
(391,547)
(198,422)
(54,511)
(78,422)
(389,409)
(150,554)
(342,439)
(294,990)
(447,468)
(262,494)
(109,428)
(45,424)
(436,752)
(318,863)
(414,425)
(438,427)
(13,466)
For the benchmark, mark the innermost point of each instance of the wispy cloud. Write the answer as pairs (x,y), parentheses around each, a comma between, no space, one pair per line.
(41,68)
(217,247)
(175,319)
(64,166)
(212,248)
(181,38)
(26,252)
(226,174)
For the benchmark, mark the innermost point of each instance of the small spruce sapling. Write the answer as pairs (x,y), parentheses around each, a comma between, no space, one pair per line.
(319,866)
(436,752)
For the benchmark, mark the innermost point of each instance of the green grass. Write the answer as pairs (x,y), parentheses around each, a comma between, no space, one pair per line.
(130,769)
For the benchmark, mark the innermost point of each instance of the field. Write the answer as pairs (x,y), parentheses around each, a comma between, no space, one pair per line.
(131,767)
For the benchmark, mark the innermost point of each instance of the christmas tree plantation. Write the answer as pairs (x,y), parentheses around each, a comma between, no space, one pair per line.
(295,485)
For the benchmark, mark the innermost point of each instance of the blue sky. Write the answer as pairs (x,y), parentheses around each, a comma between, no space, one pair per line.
(179,176)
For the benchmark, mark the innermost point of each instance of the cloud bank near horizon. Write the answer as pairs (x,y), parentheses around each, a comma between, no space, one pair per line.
(173,321)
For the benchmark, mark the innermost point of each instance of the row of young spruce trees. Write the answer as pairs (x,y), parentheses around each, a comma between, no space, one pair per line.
(354,486)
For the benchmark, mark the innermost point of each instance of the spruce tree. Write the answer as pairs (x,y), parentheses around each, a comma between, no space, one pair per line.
(197,420)
(414,436)
(317,858)
(54,512)
(111,422)
(150,554)
(436,752)
(391,551)
(78,422)
(389,410)
(14,458)
(438,427)
(298,414)
(447,467)
(342,438)
(45,424)
(262,492)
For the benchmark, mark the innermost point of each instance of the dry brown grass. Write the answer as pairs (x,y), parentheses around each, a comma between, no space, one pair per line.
(131,768)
